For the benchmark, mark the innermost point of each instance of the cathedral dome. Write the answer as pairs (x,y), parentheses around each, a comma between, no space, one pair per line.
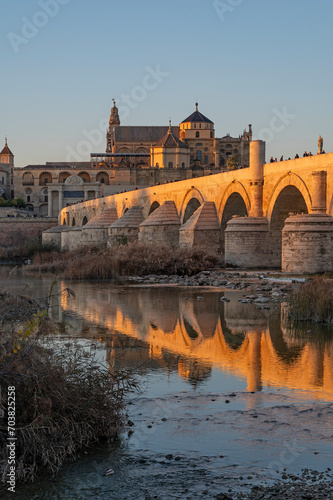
(197,117)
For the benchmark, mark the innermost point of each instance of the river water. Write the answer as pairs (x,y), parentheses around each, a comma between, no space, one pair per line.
(230,395)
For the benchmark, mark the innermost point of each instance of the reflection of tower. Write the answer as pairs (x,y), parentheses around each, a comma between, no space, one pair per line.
(193,370)
(113,122)
(254,382)
(316,366)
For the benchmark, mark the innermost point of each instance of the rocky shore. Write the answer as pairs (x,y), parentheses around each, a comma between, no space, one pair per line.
(310,485)
(258,287)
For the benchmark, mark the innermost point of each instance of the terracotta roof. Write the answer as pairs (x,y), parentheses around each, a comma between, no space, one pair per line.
(166,214)
(132,218)
(104,219)
(204,218)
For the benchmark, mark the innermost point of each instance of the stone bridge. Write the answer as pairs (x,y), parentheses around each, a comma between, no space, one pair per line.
(268,215)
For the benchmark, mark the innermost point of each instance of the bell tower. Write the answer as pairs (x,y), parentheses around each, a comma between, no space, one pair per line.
(7,166)
(113,122)
(6,156)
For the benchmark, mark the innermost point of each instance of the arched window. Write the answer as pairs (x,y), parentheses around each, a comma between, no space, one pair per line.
(197,134)
(199,155)
(85,176)
(103,178)
(45,178)
(63,176)
(28,179)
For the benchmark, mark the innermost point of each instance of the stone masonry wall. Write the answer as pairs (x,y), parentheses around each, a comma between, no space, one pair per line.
(16,233)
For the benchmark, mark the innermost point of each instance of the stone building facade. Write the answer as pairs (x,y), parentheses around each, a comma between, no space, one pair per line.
(196,131)
(136,157)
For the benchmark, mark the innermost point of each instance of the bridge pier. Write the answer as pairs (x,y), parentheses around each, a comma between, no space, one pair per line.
(126,228)
(307,239)
(162,226)
(247,242)
(202,229)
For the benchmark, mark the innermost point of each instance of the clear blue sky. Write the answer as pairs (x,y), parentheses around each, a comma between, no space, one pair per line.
(244,61)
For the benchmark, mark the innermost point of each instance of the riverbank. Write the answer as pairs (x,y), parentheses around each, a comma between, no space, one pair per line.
(259,287)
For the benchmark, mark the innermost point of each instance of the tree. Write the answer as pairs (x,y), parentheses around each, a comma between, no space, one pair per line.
(232,163)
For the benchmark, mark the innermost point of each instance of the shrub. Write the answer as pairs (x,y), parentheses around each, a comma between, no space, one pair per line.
(133,259)
(313,301)
(65,400)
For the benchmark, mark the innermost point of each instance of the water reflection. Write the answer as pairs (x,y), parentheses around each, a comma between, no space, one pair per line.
(193,334)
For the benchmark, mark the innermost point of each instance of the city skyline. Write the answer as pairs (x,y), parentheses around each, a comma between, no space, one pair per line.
(257,63)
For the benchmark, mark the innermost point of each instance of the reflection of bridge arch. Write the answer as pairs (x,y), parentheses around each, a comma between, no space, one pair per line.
(234,340)
(288,354)
(188,207)
(289,179)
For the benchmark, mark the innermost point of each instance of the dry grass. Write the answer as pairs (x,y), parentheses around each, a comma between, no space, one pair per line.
(125,260)
(65,401)
(313,302)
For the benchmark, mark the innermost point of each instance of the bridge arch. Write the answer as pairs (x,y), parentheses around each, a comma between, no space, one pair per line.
(153,207)
(290,195)
(235,201)
(234,188)
(188,207)
(289,179)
